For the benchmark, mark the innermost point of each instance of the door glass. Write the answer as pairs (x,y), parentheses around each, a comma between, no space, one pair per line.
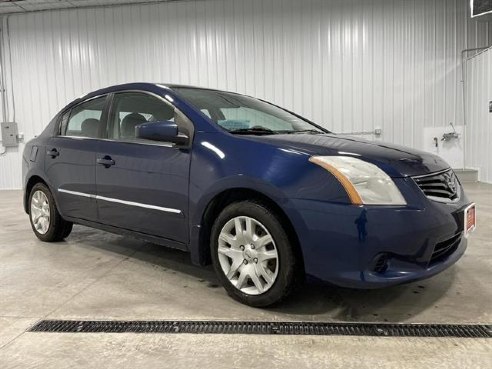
(84,119)
(132,109)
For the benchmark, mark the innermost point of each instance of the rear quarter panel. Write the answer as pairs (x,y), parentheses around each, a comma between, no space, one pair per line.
(33,158)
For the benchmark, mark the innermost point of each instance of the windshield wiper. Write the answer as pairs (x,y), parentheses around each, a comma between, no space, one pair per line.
(302,131)
(267,131)
(253,131)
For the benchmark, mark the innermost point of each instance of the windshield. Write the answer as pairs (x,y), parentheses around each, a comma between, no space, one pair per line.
(245,115)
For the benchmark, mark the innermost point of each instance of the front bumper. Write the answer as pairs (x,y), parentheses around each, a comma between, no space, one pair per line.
(379,246)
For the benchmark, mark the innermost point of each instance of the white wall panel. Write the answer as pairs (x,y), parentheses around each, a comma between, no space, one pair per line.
(351,65)
(479,119)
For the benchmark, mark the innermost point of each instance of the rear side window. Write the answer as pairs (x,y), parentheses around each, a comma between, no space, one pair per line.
(84,120)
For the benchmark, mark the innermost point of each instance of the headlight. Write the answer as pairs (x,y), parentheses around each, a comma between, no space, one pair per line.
(364,182)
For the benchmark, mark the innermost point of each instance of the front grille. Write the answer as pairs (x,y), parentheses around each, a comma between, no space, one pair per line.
(443,186)
(445,248)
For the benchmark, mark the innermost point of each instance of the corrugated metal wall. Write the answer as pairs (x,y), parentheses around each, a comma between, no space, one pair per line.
(351,65)
(479,119)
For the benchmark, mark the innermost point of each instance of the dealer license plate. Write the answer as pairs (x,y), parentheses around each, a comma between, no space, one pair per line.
(470,219)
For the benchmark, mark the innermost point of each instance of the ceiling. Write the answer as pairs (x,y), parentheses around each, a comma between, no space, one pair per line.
(23,6)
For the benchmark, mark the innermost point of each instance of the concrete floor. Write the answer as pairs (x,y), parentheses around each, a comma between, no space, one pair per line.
(97,275)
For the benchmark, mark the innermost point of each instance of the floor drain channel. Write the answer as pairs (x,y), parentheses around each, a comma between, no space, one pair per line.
(281,328)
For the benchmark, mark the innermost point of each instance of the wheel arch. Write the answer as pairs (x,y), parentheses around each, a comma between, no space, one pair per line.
(29,185)
(229,196)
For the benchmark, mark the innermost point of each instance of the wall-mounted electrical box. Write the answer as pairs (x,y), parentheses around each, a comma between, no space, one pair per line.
(9,134)
(481,9)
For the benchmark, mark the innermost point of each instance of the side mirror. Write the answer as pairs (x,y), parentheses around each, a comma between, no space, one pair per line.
(165,131)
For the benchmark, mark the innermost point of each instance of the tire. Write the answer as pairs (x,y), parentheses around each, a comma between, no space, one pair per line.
(46,222)
(261,280)
(67,230)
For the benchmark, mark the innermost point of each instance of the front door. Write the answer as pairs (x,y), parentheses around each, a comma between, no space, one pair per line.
(142,185)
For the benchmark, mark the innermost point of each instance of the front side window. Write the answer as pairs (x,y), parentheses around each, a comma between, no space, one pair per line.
(84,120)
(242,114)
(131,109)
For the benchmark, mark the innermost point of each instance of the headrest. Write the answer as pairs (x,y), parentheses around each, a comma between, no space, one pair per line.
(90,127)
(129,123)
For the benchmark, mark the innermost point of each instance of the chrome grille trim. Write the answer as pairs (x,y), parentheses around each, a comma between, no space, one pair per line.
(441,186)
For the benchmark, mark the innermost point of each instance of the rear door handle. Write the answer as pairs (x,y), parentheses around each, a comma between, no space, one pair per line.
(53,153)
(106,161)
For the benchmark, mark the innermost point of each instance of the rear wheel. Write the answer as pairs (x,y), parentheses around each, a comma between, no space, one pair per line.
(46,221)
(252,254)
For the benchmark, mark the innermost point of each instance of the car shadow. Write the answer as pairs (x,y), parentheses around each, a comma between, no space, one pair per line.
(395,304)
(313,301)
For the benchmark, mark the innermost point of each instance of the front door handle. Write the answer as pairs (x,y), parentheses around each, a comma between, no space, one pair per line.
(106,161)
(53,153)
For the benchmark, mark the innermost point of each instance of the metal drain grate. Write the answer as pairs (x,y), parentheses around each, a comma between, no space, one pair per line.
(283,328)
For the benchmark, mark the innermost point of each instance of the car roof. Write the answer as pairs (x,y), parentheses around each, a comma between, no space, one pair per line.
(173,85)
(134,86)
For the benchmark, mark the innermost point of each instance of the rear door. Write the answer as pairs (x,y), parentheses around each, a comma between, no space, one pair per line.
(142,185)
(71,158)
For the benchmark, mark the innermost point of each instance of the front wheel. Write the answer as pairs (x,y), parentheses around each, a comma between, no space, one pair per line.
(46,221)
(253,255)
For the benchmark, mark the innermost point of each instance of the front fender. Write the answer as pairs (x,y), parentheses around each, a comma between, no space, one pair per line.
(198,255)
(222,162)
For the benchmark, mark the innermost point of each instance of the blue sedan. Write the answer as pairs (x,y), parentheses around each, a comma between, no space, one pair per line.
(260,192)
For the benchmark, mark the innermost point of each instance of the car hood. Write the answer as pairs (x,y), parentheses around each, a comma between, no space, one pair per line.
(393,159)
